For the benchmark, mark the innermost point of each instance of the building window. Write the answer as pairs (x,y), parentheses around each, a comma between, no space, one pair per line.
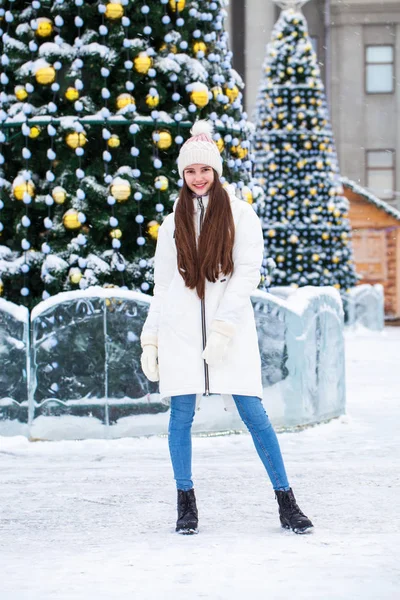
(380,173)
(379,69)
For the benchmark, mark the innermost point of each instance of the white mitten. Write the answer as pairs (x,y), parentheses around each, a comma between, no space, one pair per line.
(148,361)
(218,341)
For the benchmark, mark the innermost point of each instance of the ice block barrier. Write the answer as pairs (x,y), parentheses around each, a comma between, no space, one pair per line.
(365,305)
(75,373)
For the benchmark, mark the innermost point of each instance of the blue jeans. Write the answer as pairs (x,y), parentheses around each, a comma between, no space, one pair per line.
(252,413)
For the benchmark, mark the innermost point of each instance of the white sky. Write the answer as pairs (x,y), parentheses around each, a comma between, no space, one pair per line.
(94,520)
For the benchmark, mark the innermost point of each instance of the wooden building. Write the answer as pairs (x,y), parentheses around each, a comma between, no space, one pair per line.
(376,242)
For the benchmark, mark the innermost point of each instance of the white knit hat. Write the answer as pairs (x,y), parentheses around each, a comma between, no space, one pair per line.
(200,149)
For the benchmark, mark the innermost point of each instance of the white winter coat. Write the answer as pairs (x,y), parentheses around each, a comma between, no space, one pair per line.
(174,321)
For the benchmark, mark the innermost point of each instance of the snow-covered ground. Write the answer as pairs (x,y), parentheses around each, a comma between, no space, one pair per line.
(94,520)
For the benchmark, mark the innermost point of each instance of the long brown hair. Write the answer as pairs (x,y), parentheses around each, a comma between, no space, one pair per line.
(213,254)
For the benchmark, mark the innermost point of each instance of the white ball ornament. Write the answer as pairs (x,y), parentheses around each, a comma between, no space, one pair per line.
(80,173)
(49,200)
(125,21)
(78,106)
(113,222)
(79,151)
(81,239)
(159,207)
(103,30)
(48,223)
(107,156)
(25,221)
(26,153)
(108,179)
(50,176)
(142,263)
(136,173)
(145,286)
(80,194)
(51,130)
(139,219)
(140,241)
(45,248)
(138,196)
(58,21)
(24,291)
(25,268)
(25,245)
(82,262)
(116,244)
(147,30)
(129,86)
(121,267)
(111,200)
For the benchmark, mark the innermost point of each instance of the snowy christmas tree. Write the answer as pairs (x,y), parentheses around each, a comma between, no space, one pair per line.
(96,99)
(305,215)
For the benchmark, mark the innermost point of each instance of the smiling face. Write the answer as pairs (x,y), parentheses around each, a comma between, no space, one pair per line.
(199,178)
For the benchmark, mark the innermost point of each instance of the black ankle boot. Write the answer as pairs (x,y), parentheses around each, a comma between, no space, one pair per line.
(187,513)
(290,514)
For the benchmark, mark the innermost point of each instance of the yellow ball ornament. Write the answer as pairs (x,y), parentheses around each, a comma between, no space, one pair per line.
(177,5)
(220,144)
(76,140)
(239,151)
(325,235)
(20,93)
(247,195)
(1,288)
(161,183)
(315,257)
(75,275)
(162,139)
(72,94)
(232,93)
(45,75)
(152,101)
(44,27)
(199,96)
(114,141)
(216,91)
(124,100)
(293,239)
(271,233)
(21,187)
(114,11)
(152,229)
(142,62)
(70,219)
(59,195)
(34,132)
(199,47)
(120,189)
(116,234)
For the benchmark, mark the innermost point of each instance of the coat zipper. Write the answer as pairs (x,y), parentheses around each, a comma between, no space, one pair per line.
(203,310)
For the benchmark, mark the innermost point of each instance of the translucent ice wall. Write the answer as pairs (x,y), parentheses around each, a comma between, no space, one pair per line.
(73,371)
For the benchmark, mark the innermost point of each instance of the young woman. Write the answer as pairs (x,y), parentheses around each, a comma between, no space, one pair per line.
(200,335)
